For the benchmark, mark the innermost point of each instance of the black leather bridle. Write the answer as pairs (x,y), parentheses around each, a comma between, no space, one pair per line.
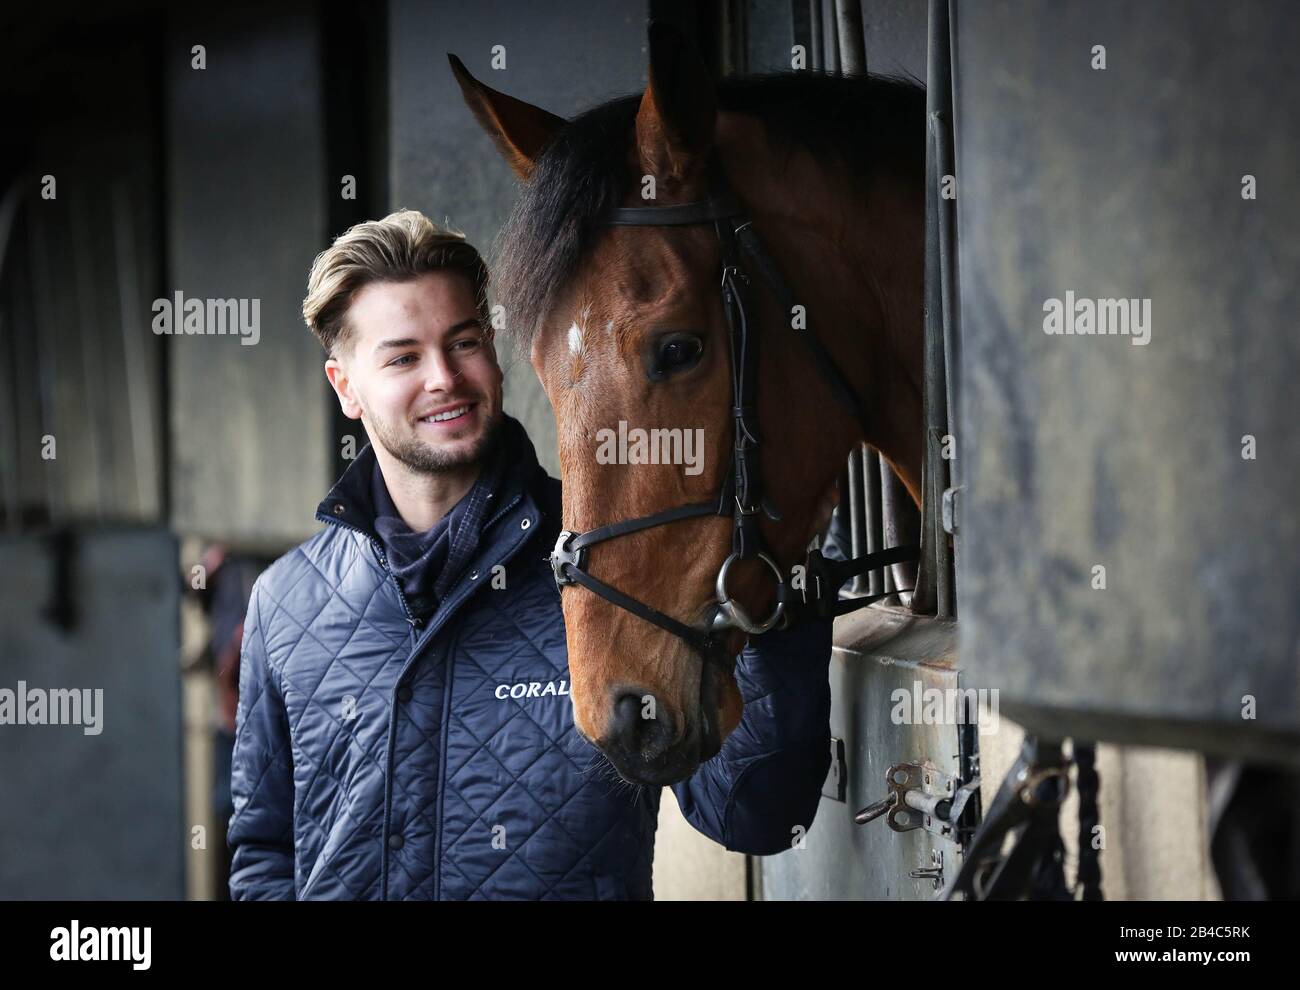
(741,496)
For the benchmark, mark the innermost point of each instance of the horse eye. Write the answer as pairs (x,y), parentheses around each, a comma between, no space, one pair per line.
(676,353)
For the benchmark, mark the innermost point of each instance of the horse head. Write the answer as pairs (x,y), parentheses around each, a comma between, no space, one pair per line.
(626,328)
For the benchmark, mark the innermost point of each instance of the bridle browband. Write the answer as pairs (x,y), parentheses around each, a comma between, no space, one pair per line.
(741,496)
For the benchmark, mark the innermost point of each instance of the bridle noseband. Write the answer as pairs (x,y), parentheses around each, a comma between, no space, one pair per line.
(741,496)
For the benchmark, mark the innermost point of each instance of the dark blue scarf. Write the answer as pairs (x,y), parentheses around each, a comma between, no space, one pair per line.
(427,564)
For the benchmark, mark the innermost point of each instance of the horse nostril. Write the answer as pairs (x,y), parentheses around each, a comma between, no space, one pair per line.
(641,727)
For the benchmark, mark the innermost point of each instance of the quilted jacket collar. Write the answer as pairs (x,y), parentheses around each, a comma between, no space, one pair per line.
(350,501)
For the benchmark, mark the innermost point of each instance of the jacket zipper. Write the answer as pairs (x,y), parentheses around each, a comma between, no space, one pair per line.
(415,650)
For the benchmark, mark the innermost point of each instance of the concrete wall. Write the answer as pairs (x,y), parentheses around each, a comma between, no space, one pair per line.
(250,425)
(1130,518)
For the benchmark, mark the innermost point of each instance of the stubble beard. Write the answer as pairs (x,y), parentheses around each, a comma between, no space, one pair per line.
(424,458)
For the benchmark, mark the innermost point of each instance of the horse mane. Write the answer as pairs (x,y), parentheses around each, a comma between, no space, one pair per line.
(869,122)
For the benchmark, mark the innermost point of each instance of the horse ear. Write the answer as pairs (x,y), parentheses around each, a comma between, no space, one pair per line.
(519,130)
(674,126)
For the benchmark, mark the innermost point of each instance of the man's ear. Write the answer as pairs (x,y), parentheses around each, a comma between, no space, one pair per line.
(519,130)
(341,382)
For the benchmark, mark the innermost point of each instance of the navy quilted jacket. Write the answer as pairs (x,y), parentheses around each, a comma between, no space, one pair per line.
(378,757)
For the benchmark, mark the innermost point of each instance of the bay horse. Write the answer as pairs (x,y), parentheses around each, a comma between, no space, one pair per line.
(624,327)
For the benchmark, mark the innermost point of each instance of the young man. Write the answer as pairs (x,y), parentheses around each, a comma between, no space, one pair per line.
(385,749)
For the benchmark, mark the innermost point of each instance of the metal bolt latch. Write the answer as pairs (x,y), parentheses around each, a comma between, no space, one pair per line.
(920,796)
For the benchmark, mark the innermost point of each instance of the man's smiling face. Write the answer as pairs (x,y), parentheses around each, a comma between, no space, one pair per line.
(418,369)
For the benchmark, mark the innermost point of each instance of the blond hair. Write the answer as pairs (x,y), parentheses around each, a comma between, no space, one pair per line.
(400,247)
